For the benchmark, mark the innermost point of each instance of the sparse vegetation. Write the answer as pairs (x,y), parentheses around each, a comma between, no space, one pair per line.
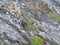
(55,18)
(29,22)
(26,18)
(29,25)
(35,40)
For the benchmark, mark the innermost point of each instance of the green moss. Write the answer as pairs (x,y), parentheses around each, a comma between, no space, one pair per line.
(26,18)
(35,40)
(55,18)
(31,27)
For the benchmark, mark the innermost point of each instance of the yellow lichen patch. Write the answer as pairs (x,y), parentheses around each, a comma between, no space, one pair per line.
(17,13)
(50,13)
(30,2)
(42,6)
(9,8)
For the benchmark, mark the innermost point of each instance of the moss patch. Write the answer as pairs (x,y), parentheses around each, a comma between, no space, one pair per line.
(55,18)
(35,40)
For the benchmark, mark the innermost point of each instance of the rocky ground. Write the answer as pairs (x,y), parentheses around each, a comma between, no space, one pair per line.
(22,19)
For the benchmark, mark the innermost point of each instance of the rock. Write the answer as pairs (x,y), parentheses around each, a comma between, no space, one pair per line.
(12,24)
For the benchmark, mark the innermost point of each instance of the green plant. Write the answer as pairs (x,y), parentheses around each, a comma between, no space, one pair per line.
(26,18)
(55,18)
(30,25)
(35,40)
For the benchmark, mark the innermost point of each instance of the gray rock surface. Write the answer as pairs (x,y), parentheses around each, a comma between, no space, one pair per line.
(12,33)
